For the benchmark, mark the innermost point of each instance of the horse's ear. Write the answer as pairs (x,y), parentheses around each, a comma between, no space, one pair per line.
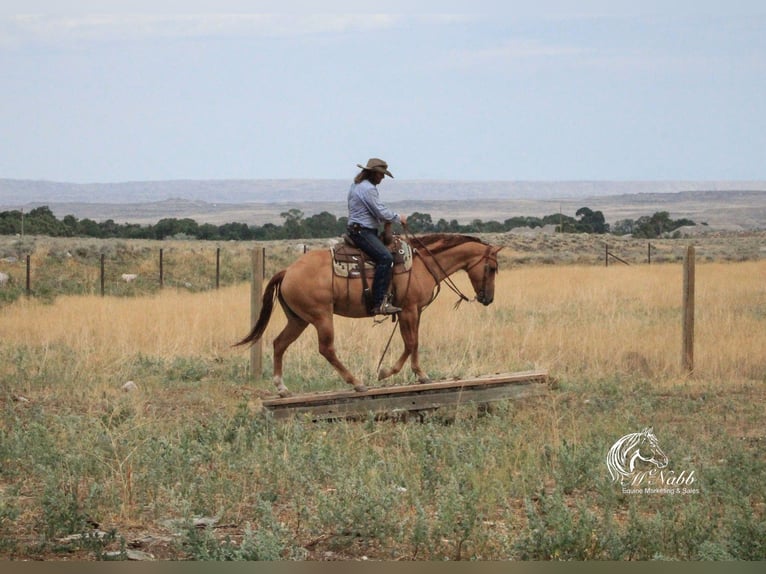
(648,430)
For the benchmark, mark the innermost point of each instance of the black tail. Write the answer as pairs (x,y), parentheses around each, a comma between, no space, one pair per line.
(271,293)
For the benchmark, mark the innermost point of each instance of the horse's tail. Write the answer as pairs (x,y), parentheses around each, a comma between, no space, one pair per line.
(271,293)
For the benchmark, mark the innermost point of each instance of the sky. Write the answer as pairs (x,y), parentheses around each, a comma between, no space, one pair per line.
(98,91)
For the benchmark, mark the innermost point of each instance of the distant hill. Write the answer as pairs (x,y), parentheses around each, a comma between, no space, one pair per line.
(19,192)
(731,205)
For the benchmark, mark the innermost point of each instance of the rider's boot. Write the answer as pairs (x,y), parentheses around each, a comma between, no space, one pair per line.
(386,308)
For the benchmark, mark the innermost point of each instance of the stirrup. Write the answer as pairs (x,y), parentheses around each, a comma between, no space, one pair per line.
(386,309)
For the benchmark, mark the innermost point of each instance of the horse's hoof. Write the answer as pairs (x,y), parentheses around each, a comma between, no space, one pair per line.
(424,380)
(384,374)
(360,388)
(284,394)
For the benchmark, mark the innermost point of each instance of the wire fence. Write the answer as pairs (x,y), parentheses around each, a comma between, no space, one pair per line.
(47,275)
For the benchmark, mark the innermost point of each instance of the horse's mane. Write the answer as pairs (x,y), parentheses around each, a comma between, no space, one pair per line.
(438,242)
(616,458)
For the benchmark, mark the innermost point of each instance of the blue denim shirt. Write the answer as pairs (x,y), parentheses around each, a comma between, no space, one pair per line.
(365,208)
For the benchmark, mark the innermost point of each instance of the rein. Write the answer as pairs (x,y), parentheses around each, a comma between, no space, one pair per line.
(447,279)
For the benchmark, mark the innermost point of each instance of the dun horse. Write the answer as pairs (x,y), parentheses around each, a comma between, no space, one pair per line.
(310,294)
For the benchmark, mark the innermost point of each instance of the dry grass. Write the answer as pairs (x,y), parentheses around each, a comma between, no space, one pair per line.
(169,324)
(188,441)
(594,321)
(583,321)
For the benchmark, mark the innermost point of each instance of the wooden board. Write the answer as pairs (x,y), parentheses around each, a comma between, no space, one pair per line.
(414,397)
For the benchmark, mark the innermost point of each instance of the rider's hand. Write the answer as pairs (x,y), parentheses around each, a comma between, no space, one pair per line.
(403,219)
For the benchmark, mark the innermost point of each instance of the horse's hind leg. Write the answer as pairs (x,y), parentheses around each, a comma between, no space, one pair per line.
(295,326)
(326,336)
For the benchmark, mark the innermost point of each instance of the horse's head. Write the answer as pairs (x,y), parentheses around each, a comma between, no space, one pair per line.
(649,449)
(482,271)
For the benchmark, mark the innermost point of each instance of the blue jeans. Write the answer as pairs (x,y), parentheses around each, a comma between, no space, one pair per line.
(368,241)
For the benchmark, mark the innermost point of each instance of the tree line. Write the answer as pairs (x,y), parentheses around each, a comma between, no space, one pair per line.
(42,221)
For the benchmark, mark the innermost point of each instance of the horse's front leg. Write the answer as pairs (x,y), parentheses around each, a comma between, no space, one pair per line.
(409,323)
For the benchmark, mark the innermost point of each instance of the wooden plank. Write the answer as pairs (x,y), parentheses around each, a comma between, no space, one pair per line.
(394,405)
(539,376)
(416,397)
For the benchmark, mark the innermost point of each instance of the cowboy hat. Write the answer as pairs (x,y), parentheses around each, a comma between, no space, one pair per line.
(375,164)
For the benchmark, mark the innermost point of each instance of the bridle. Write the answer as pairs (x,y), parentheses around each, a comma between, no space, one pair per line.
(487,258)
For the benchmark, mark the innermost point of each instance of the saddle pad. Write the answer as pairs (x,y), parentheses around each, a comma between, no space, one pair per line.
(346,259)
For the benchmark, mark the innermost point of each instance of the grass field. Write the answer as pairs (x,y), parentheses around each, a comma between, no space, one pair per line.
(186,465)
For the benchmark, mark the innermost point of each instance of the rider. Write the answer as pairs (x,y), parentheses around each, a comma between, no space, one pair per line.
(365,214)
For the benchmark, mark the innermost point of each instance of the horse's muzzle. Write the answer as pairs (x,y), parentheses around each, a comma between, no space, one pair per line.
(484,299)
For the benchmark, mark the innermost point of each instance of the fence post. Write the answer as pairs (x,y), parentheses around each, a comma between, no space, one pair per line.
(606,255)
(102,274)
(162,278)
(29,276)
(256,289)
(217,267)
(687,353)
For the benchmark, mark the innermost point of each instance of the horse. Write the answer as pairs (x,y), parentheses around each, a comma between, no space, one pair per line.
(310,294)
(629,450)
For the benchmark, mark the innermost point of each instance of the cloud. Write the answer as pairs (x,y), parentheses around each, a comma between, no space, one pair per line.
(515,51)
(97,27)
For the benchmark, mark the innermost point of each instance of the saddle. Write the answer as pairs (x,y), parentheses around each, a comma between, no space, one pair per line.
(350,261)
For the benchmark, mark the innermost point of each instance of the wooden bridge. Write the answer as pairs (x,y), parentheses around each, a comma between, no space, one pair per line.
(396,401)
